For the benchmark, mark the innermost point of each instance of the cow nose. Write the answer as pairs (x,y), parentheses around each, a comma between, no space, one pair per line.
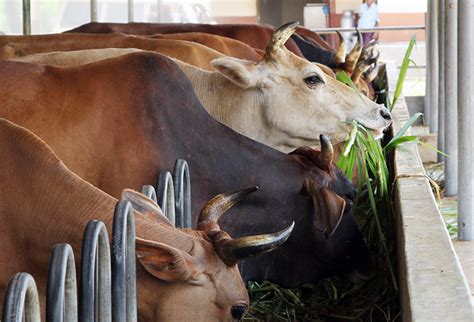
(384,112)
(238,311)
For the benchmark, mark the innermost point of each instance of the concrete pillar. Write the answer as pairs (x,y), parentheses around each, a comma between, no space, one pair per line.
(130,10)
(451,98)
(26,17)
(466,118)
(441,64)
(432,72)
(93,10)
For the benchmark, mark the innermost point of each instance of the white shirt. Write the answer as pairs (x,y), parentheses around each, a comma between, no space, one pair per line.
(368,16)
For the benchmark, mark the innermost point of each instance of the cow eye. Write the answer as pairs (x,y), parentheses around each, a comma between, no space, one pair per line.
(312,81)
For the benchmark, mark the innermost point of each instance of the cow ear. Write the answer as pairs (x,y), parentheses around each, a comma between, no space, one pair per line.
(333,211)
(144,205)
(167,263)
(240,72)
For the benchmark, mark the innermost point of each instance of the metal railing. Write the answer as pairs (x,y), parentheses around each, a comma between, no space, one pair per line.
(387,28)
(108,278)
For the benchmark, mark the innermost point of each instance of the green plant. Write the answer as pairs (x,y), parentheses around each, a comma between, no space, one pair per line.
(403,72)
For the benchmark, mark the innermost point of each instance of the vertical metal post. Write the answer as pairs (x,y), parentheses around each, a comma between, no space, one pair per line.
(93,10)
(466,119)
(451,98)
(26,17)
(431,97)
(441,64)
(130,10)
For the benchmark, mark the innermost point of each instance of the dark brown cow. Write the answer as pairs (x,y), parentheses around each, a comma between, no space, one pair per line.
(42,203)
(256,36)
(117,122)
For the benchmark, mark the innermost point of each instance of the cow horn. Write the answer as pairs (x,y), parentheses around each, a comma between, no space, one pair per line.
(327,152)
(281,35)
(354,55)
(233,250)
(372,73)
(218,205)
(361,67)
(340,55)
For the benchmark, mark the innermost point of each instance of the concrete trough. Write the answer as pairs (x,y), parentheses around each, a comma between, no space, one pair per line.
(433,286)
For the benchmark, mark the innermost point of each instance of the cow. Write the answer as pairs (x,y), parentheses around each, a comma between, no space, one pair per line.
(256,36)
(254,99)
(190,52)
(118,122)
(183,274)
(283,101)
(224,45)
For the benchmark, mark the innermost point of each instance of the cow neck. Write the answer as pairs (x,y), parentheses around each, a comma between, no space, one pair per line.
(227,103)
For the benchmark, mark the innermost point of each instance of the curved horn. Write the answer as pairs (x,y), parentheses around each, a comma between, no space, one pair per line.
(340,55)
(218,205)
(281,35)
(327,152)
(361,67)
(372,73)
(353,56)
(233,250)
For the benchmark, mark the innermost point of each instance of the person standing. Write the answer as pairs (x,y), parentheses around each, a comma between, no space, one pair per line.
(368,18)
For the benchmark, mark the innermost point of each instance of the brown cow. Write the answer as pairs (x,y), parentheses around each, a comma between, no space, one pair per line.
(256,36)
(190,52)
(120,121)
(191,274)
(224,45)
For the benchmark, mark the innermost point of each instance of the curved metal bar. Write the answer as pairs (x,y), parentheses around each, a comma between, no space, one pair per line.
(182,188)
(124,287)
(61,294)
(149,191)
(165,194)
(95,296)
(21,302)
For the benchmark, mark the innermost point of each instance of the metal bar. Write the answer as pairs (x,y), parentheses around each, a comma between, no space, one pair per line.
(385,28)
(451,99)
(149,191)
(466,119)
(166,200)
(26,17)
(93,10)
(432,72)
(21,302)
(182,191)
(124,287)
(130,10)
(61,292)
(95,265)
(441,51)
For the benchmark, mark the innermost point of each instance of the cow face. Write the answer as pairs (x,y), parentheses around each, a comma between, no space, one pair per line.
(197,284)
(198,279)
(296,100)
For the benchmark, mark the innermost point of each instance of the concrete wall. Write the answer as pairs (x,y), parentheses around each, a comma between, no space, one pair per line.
(432,284)
(277,12)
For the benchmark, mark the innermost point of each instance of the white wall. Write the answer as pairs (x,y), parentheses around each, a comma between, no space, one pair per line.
(405,6)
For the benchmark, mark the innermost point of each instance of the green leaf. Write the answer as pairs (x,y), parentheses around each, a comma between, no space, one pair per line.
(403,71)
(345,79)
(402,131)
(394,143)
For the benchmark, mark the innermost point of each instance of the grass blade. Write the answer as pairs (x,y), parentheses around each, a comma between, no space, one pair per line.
(403,71)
